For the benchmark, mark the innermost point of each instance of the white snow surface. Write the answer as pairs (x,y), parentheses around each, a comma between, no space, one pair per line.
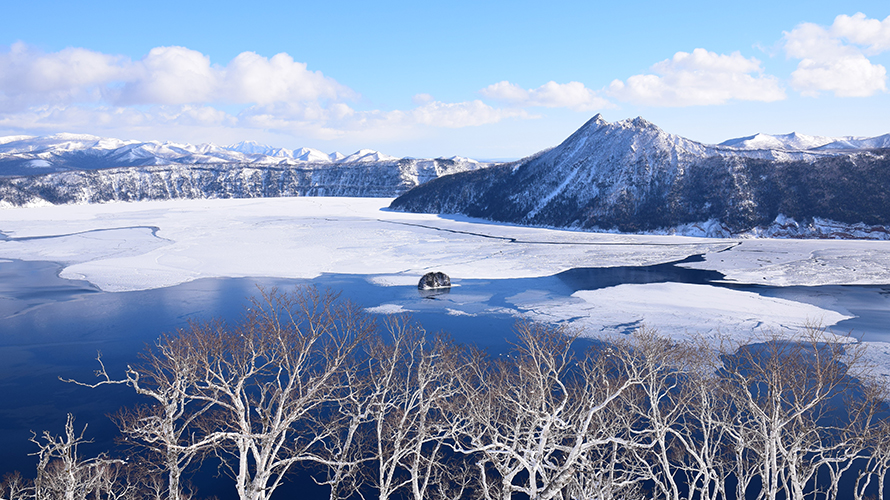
(114,247)
(303,237)
(680,309)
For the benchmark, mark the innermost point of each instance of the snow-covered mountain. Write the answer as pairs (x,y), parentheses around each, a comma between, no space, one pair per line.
(226,180)
(627,175)
(881,141)
(801,142)
(632,176)
(69,168)
(784,141)
(27,155)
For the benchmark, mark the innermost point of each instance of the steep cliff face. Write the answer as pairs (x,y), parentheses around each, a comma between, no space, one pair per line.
(365,179)
(632,176)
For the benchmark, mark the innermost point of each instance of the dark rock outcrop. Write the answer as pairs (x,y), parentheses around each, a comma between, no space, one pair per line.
(432,281)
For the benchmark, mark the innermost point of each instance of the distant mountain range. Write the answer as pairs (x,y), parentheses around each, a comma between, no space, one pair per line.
(27,155)
(795,141)
(623,176)
(632,176)
(69,168)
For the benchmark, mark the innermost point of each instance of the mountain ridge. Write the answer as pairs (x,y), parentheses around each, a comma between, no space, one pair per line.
(631,176)
(384,179)
(34,155)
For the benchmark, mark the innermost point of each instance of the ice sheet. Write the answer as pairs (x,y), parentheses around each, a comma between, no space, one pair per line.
(784,262)
(135,246)
(678,310)
(304,237)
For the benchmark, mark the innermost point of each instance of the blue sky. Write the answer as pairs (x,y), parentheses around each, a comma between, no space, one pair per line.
(479,79)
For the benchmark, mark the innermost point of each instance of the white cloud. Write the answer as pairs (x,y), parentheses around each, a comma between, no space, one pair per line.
(832,59)
(50,119)
(176,88)
(28,76)
(251,78)
(461,114)
(305,119)
(858,29)
(572,95)
(170,75)
(166,76)
(422,99)
(699,78)
(340,119)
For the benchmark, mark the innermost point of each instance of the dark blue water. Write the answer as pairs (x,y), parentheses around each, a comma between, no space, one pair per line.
(51,328)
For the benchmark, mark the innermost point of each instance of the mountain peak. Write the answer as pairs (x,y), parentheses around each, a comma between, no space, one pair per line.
(630,175)
(641,122)
(365,155)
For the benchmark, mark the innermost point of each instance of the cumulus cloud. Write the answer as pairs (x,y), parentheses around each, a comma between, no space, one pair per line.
(176,87)
(50,119)
(165,76)
(834,59)
(572,95)
(170,75)
(28,76)
(699,78)
(870,33)
(254,78)
(462,114)
(421,98)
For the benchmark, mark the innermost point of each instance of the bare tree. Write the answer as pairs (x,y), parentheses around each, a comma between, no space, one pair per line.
(873,433)
(15,487)
(783,389)
(116,480)
(660,412)
(169,426)
(411,380)
(710,454)
(240,392)
(537,417)
(62,474)
(339,443)
(267,374)
(306,378)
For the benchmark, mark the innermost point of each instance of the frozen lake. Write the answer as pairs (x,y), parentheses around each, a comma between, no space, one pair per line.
(132,271)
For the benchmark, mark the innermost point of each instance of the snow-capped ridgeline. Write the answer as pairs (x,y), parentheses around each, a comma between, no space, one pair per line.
(29,155)
(792,141)
(801,142)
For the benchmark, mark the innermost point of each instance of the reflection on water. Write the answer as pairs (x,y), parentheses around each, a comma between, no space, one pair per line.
(51,328)
(432,293)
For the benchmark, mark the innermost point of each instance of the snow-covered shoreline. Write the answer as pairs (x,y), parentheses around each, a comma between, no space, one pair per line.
(302,237)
